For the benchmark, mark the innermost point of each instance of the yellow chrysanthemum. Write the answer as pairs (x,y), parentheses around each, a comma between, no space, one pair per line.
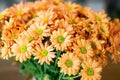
(91,70)
(69,63)
(60,39)
(43,53)
(83,49)
(21,49)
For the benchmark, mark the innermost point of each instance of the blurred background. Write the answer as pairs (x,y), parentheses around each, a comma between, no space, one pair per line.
(8,71)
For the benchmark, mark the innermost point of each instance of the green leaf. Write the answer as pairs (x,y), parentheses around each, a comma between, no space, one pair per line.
(32,67)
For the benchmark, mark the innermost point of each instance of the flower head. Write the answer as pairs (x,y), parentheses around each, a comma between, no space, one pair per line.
(38,30)
(21,49)
(60,39)
(6,51)
(83,49)
(102,16)
(47,16)
(43,53)
(91,70)
(69,63)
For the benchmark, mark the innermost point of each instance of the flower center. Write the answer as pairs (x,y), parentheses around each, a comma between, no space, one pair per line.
(69,8)
(61,39)
(89,28)
(83,50)
(102,30)
(98,18)
(30,39)
(19,12)
(23,49)
(44,52)
(69,63)
(90,72)
(14,36)
(39,31)
(73,22)
(1,15)
(93,46)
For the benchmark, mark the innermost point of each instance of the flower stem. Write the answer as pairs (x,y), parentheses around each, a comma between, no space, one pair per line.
(67,77)
(58,54)
(60,76)
(44,68)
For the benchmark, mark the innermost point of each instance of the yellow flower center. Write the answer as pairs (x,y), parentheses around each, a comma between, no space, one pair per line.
(73,22)
(30,39)
(93,46)
(44,52)
(83,50)
(90,72)
(69,8)
(89,28)
(98,18)
(19,12)
(39,31)
(61,39)
(14,36)
(23,49)
(102,30)
(69,63)
(1,15)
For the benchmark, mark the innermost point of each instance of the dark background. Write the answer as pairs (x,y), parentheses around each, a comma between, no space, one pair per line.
(8,71)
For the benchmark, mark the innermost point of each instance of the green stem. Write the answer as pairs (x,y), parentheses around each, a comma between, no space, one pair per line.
(44,68)
(60,77)
(71,77)
(37,66)
(58,54)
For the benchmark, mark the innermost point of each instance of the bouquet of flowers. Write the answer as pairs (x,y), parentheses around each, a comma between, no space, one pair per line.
(57,40)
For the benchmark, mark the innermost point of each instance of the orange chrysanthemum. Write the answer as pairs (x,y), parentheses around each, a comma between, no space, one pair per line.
(43,53)
(21,49)
(38,30)
(83,49)
(69,63)
(47,16)
(5,51)
(91,70)
(60,39)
